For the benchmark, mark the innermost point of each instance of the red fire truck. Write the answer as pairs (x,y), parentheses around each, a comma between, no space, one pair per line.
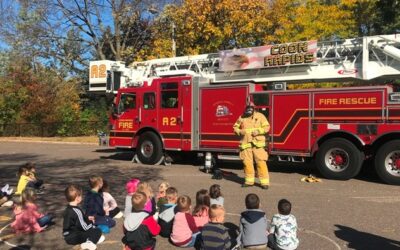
(190,104)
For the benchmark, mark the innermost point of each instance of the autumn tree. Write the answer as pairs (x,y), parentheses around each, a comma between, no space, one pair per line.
(207,26)
(307,20)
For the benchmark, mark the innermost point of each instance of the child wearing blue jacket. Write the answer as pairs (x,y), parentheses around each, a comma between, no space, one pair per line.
(93,203)
(253,225)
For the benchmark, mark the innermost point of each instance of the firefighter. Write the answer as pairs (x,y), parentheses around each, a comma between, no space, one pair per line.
(253,126)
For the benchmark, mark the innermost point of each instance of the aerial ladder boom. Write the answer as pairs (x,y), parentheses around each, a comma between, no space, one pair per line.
(364,59)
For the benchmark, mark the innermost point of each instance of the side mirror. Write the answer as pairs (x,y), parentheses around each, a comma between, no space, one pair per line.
(114,111)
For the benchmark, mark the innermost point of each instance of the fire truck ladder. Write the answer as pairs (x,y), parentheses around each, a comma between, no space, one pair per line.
(363,58)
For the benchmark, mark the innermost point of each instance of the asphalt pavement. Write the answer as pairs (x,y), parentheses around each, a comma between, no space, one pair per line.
(361,213)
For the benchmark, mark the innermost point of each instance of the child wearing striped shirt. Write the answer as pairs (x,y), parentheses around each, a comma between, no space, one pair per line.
(214,234)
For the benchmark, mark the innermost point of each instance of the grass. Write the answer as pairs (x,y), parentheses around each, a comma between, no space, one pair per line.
(80,139)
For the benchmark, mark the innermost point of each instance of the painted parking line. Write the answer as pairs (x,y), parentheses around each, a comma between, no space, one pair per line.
(379,199)
(4,218)
(5,239)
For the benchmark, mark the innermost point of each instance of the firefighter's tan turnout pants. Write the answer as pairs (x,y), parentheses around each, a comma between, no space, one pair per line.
(260,156)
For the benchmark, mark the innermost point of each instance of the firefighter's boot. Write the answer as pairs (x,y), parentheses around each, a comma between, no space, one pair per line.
(263,174)
(248,174)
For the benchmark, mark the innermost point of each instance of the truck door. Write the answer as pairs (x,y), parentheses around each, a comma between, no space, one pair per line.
(290,122)
(149,110)
(126,121)
(171,107)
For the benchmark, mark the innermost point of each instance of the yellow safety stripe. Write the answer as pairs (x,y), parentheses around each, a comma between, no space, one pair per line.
(259,144)
(249,180)
(245,145)
(264,181)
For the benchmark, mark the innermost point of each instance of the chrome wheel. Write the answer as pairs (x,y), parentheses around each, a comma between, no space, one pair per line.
(337,160)
(392,163)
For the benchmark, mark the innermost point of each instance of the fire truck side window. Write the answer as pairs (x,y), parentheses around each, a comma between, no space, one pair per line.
(128,101)
(149,101)
(169,95)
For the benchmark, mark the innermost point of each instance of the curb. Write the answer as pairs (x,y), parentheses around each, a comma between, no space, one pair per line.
(50,142)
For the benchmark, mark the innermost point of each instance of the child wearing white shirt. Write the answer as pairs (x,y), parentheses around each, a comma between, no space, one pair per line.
(283,230)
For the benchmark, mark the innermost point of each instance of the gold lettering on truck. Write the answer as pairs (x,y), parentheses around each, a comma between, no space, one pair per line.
(125,125)
(98,71)
(348,101)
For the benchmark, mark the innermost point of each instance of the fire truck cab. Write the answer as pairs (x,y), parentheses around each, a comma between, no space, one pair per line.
(181,113)
(189,104)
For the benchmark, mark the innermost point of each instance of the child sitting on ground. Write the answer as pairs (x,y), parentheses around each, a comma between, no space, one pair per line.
(214,234)
(216,195)
(130,187)
(93,204)
(200,211)
(140,228)
(110,205)
(27,217)
(24,179)
(6,196)
(77,228)
(283,230)
(34,183)
(184,230)
(161,195)
(253,225)
(150,205)
(167,212)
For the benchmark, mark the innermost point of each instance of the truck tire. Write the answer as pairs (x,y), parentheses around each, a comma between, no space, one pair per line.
(149,149)
(339,159)
(387,162)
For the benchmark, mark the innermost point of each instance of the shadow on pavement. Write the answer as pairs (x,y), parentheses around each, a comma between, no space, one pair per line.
(362,240)
(120,156)
(368,173)
(57,174)
(233,231)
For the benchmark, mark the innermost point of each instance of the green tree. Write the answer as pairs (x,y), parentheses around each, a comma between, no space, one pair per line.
(388,17)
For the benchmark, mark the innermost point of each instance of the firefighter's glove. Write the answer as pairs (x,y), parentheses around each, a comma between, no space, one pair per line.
(241,132)
(310,178)
(255,133)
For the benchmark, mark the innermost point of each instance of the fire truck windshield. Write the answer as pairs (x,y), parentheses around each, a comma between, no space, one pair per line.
(260,99)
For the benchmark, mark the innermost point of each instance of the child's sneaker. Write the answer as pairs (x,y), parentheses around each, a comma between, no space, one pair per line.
(119,215)
(7,204)
(102,238)
(88,245)
(5,188)
(9,191)
(39,191)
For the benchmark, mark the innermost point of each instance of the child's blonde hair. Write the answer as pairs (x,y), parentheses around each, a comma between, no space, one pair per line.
(163,186)
(72,192)
(28,195)
(95,180)
(145,188)
(216,211)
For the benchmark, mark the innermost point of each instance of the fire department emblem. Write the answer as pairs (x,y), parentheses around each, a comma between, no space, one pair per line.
(222,110)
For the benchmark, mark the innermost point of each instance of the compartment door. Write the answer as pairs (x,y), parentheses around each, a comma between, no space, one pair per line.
(290,122)
(219,110)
